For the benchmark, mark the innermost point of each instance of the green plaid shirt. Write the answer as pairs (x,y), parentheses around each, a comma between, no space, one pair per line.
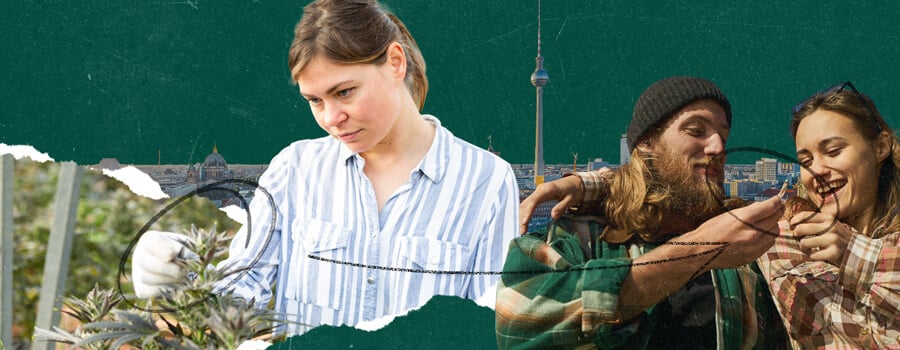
(554,295)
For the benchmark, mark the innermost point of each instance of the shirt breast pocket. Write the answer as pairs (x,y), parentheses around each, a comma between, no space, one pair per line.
(313,281)
(435,255)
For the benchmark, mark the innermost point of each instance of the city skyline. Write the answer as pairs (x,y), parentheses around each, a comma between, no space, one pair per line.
(741,179)
(752,182)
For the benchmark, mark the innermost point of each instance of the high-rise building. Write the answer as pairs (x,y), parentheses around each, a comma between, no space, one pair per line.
(539,78)
(767,169)
(597,163)
(788,168)
(748,189)
(624,155)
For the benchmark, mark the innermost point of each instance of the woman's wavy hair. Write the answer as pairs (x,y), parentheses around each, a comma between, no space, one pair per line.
(353,32)
(869,122)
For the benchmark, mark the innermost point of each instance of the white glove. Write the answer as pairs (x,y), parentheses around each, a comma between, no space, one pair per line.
(153,265)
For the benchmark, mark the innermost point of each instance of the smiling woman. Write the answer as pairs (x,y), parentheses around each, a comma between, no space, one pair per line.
(834,271)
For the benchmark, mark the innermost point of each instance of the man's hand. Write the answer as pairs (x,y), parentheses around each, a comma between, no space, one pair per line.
(748,231)
(821,236)
(569,191)
(154,265)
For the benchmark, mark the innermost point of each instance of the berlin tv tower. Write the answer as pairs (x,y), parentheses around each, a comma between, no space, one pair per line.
(539,78)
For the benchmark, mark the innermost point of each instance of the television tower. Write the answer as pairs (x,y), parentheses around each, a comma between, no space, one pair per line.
(539,78)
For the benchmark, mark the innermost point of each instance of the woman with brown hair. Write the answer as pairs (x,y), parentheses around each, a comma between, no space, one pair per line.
(385,212)
(833,271)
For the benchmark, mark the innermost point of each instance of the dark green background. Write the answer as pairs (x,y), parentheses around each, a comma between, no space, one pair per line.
(83,80)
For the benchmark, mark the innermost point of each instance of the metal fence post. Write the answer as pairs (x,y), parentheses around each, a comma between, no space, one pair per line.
(6,250)
(59,249)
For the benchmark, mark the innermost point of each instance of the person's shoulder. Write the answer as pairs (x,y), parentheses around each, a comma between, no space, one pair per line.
(305,148)
(317,144)
(478,151)
(304,154)
(458,144)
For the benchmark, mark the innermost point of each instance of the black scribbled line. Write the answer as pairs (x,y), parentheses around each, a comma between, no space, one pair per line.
(241,272)
(719,248)
(789,159)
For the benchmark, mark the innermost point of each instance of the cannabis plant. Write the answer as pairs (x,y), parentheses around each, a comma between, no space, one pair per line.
(193,315)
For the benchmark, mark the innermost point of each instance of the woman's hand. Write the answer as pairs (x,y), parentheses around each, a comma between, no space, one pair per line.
(822,236)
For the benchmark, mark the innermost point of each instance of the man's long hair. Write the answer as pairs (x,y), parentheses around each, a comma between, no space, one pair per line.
(655,197)
(633,205)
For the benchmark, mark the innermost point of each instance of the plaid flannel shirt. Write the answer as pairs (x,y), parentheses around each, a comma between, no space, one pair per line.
(852,306)
(595,191)
(561,290)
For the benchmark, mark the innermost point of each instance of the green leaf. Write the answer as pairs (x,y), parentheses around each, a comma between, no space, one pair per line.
(99,337)
(125,340)
(58,335)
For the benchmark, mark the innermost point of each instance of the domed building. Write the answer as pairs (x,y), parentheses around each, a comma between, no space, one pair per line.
(214,166)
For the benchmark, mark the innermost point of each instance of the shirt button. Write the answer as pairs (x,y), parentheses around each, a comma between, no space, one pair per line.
(370,280)
(433,258)
(864,331)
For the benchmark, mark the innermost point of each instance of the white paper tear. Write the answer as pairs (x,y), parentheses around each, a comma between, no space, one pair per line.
(142,184)
(23,151)
(235,213)
(489,298)
(254,345)
(379,323)
(137,181)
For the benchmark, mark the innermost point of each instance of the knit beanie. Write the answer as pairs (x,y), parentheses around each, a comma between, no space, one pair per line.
(667,96)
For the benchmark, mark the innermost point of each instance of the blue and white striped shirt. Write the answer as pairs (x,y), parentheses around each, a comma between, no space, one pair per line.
(457,212)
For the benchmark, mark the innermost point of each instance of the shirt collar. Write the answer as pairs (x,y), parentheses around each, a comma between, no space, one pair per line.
(433,165)
(436,161)
(345,153)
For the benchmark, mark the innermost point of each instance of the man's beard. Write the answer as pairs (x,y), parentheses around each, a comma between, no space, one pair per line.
(691,199)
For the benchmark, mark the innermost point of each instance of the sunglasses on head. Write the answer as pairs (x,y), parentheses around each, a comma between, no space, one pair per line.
(837,88)
(834,90)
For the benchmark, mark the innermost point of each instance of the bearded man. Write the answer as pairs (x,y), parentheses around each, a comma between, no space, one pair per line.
(649,259)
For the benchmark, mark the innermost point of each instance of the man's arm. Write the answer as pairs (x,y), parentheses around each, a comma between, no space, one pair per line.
(583,190)
(553,296)
(728,240)
(596,189)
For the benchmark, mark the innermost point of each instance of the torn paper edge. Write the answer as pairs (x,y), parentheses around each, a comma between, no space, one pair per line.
(137,181)
(25,151)
(142,184)
(485,300)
